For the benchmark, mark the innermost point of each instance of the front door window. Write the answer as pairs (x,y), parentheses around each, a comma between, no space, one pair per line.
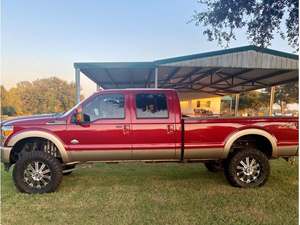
(106,106)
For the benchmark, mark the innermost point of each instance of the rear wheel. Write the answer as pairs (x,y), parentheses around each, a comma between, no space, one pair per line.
(247,168)
(37,172)
(214,166)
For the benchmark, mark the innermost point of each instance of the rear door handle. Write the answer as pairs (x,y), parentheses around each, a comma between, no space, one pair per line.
(170,128)
(126,128)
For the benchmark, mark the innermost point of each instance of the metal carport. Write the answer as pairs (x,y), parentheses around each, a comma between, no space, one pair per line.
(229,71)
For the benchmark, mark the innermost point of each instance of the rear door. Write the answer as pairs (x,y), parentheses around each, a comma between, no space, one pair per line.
(153,125)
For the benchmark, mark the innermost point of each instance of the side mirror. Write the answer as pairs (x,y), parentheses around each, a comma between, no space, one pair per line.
(79,117)
(82,118)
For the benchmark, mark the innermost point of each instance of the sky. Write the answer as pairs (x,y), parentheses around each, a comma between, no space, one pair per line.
(41,39)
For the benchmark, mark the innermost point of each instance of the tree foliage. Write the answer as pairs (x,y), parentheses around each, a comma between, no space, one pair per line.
(40,96)
(285,94)
(261,19)
(253,100)
(6,108)
(256,101)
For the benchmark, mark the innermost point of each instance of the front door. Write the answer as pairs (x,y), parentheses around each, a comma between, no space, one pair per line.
(153,126)
(106,137)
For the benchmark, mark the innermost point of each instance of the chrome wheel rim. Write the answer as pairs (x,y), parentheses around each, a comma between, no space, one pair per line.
(37,174)
(248,170)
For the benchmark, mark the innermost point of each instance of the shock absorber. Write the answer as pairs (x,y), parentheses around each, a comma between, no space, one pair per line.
(50,148)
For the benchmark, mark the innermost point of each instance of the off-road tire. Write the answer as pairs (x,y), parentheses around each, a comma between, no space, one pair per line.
(232,172)
(52,164)
(214,166)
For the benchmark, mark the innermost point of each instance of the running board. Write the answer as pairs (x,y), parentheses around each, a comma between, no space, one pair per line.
(69,170)
(146,161)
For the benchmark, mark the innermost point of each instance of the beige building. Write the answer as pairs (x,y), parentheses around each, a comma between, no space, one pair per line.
(201,106)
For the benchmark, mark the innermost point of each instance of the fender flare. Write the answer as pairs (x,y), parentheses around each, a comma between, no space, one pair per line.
(40,134)
(251,131)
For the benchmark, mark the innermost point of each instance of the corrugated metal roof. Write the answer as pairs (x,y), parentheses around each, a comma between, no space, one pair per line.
(215,73)
(228,51)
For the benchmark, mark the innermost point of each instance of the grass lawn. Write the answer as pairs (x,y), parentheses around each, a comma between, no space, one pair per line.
(138,193)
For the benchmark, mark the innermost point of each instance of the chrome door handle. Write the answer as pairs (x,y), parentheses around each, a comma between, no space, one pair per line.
(170,128)
(126,129)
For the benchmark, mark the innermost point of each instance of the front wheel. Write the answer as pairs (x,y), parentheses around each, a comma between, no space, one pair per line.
(37,172)
(247,168)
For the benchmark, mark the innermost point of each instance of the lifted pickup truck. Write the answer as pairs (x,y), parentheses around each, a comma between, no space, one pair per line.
(141,124)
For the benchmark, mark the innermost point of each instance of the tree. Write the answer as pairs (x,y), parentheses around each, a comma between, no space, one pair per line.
(261,18)
(6,108)
(3,95)
(40,96)
(285,94)
(254,101)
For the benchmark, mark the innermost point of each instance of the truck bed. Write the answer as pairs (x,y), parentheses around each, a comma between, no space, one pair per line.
(210,134)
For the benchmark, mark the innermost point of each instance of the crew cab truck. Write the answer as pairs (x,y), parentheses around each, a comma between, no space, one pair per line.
(141,124)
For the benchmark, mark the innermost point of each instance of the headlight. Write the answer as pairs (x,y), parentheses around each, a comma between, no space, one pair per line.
(6,130)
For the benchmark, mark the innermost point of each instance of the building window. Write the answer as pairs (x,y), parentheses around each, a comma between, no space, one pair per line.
(208,104)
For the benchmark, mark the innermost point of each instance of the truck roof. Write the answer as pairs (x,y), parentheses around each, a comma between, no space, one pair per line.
(136,89)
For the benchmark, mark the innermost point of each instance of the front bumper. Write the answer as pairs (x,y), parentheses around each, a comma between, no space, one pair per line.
(5,154)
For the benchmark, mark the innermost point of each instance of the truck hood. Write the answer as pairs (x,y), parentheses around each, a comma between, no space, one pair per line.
(34,119)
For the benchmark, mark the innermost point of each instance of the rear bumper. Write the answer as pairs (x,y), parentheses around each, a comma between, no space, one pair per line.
(5,154)
(287,151)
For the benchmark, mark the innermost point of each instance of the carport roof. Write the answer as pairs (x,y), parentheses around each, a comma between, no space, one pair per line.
(221,72)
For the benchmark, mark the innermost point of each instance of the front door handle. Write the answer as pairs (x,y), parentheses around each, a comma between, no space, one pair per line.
(125,127)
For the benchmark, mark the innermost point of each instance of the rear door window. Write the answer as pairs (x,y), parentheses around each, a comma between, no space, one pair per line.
(151,106)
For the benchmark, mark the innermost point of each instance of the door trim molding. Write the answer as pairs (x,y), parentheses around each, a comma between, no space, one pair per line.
(99,155)
(202,153)
(153,154)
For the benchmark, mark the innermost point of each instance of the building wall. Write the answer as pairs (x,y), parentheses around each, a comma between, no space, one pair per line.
(199,106)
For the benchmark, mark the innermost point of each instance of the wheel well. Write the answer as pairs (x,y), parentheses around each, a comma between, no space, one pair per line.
(34,144)
(255,141)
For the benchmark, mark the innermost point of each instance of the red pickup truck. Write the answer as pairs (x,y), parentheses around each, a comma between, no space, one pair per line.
(141,124)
